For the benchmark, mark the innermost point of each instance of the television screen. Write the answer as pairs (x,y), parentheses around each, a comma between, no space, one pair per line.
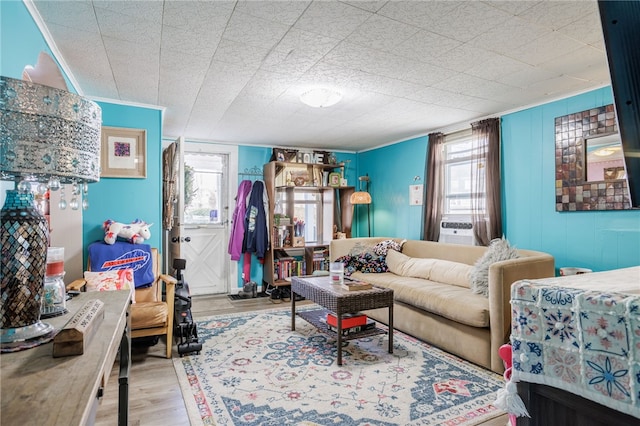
(621,30)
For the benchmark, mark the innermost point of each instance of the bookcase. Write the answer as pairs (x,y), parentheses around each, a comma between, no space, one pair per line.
(304,213)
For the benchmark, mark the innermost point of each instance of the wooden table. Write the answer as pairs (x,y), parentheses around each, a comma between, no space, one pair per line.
(332,297)
(38,389)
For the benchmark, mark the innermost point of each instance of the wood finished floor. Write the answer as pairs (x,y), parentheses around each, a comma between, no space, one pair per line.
(154,393)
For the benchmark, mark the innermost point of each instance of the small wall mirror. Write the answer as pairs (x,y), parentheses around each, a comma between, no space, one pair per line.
(590,168)
(605,160)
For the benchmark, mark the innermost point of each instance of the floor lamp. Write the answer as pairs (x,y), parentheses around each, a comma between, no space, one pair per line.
(363,197)
(49,137)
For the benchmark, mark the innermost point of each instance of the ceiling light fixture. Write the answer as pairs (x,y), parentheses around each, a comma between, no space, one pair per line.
(320,97)
(604,152)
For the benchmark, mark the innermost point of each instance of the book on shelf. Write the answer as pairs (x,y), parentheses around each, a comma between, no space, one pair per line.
(370,325)
(285,267)
(348,320)
(354,285)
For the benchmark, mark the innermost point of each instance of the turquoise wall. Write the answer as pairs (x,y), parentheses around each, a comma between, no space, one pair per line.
(596,240)
(125,200)
(20,41)
(391,170)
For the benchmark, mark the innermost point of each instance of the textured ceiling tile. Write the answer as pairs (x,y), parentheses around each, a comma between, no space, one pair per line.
(487,107)
(528,76)
(558,14)
(468,20)
(375,62)
(493,66)
(267,84)
(558,85)
(181,64)
(431,95)
(285,12)
(422,14)
(73,14)
(370,6)
(587,29)
(472,86)
(139,31)
(425,45)
(381,33)
(331,19)
(514,8)
(222,82)
(232,52)
(292,63)
(576,62)
(137,10)
(190,42)
(254,31)
(198,15)
(425,74)
(126,53)
(461,58)
(545,48)
(309,44)
(504,38)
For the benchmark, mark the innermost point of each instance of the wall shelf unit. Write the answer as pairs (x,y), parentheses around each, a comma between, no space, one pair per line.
(304,213)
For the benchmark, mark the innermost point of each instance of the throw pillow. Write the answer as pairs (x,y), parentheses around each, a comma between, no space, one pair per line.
(383,247)
(498,250)
(405,266)
(121,279)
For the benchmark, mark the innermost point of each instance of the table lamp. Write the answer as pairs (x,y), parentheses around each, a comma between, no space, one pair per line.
(48,137)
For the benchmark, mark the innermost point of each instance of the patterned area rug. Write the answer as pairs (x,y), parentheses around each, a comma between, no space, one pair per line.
(253,370)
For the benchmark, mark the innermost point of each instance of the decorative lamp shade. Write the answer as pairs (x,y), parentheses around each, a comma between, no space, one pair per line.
(46,135)
(47,132)
(360,197)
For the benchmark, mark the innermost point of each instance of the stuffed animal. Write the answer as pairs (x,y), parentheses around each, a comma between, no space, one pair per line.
(135,232)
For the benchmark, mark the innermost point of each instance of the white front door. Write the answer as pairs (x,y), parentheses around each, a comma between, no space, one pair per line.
(208,176)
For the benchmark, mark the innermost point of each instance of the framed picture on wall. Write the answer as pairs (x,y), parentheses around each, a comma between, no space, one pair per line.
(124,153)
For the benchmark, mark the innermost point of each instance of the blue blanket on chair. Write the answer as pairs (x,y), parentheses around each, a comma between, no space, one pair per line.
(120,255)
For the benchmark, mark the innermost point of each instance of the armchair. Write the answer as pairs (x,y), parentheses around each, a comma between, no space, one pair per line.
(150,315)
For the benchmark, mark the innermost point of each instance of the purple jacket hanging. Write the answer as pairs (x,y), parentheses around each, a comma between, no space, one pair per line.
(237,221)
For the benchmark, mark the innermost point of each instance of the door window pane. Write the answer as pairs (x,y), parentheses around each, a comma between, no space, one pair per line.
(203,188)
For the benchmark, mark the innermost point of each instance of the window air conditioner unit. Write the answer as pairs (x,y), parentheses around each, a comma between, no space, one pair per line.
(456,232)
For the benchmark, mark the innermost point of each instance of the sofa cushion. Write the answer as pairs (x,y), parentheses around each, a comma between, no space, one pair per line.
(498,250)
(149,314)
(448,272)
(449,301)
(443,271)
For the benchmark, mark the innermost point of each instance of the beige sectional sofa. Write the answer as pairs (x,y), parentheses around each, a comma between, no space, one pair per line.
(433,300)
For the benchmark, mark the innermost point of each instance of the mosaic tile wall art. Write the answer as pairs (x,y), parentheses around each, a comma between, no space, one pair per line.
(573,192)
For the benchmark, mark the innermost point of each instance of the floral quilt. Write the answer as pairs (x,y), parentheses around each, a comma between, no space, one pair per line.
(582,340)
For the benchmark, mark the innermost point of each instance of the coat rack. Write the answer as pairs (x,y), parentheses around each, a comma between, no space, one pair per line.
(253,174)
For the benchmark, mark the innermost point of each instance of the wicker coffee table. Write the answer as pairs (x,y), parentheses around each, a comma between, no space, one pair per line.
(339,301)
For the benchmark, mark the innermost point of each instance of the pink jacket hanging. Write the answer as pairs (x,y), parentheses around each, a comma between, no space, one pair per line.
(236,236)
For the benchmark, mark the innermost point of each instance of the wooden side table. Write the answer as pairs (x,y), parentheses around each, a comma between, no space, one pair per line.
(39,389)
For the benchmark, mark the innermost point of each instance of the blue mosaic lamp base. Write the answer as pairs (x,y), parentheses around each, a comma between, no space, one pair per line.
(24,237)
